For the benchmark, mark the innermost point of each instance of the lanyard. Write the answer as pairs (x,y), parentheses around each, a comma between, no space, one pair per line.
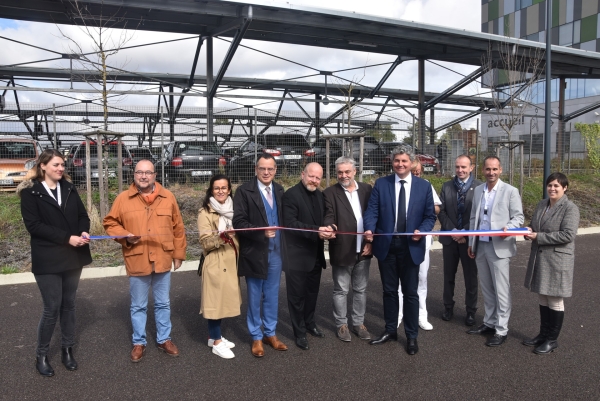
(486,197)
(59,200)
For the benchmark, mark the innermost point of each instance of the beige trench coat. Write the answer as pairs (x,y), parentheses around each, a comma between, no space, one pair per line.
(221,296)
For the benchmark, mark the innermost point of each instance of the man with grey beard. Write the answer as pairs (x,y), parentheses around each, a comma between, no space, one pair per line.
(304,257)
(350,255)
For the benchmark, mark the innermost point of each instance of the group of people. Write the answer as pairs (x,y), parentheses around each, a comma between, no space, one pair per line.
(241,237)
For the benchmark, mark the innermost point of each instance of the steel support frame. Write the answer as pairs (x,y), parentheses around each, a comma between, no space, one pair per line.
(459,120)
(455,88)
(385,77)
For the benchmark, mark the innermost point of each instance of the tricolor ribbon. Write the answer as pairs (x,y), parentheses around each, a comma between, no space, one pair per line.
(511,232)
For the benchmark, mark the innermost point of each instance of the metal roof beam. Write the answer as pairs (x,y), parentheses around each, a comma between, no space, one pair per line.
(581,111)
(455,88)
(230,53)
(458,120)
(385,77)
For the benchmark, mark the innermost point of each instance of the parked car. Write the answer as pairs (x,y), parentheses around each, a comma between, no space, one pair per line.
(77,169)
(335,151)
(189,161)
(373,156)
(430,163)
(17,156)
(70,153)
(142,154)
(291,153)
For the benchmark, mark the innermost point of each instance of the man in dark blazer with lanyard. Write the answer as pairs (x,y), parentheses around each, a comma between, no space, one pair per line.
(258,203)
(303,208)
(400,203)
(455,215)
(350,255)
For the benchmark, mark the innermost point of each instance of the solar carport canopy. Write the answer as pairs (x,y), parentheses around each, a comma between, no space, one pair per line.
(303,26)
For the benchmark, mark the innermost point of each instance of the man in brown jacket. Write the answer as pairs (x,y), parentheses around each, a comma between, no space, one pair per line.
(147,219)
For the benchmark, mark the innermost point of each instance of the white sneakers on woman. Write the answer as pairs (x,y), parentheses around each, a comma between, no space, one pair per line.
(229,344)
(222,350)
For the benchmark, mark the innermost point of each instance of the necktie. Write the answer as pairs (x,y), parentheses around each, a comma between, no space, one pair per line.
(401,225)
(461,206)
(269,196)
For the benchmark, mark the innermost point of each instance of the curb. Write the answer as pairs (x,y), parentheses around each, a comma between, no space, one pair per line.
(190,265)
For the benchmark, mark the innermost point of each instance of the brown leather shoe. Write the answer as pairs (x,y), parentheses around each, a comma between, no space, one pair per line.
(274,342)
(257,349)
(169,348)
(137,353)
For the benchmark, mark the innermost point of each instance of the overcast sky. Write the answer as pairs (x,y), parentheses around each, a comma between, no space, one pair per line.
(177,57)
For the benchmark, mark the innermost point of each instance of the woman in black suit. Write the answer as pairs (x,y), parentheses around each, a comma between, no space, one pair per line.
(58,224)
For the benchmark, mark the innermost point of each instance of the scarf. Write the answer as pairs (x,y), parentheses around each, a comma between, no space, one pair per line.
(151,197)
(225,211)
(461,194)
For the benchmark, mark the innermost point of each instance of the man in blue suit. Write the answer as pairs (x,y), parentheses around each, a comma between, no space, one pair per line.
(400,203)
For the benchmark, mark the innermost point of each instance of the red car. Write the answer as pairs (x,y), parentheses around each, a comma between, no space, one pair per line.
(431,164)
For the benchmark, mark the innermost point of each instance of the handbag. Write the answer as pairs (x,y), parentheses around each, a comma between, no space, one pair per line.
(200,264)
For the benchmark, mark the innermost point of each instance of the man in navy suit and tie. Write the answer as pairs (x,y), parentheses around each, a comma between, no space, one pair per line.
(400,203)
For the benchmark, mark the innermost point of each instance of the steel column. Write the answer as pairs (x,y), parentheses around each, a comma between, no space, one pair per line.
(421,107)
(209,86)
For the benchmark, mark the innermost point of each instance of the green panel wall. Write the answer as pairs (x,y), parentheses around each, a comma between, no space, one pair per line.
(493,10)
(589,27)
(555,12)
(537,1)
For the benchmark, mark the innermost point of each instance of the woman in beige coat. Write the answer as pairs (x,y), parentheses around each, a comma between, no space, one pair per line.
(221,295)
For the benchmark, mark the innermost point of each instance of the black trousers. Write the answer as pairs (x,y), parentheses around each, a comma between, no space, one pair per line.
(452,254)
(398,264)
(302,292)
(58,294)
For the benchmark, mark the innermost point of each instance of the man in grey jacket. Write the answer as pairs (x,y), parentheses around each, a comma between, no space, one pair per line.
(496,206)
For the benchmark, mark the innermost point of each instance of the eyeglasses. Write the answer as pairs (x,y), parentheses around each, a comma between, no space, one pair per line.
(268,169)
(220,189)
(146,173)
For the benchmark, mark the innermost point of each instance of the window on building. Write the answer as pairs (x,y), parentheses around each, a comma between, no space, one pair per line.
(570,10)
(565,35)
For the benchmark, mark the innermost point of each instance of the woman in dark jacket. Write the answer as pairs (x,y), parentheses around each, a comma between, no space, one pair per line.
(58,224)
(551,262)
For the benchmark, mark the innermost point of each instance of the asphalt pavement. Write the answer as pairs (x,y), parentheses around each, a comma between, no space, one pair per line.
(450,365)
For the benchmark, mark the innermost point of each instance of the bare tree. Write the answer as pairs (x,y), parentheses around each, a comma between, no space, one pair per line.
(98,31)
(511,72)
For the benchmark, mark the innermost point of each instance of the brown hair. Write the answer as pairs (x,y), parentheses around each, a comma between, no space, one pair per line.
(216,177)
(45,157)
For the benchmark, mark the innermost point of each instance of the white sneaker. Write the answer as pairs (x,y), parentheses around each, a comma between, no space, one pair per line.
(229,344)
(425,325)
(222,350)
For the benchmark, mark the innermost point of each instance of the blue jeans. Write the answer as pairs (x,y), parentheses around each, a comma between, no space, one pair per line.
(266,291)
(139,287)
(214,329)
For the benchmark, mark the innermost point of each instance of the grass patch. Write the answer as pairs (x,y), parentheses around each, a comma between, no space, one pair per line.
(8,270)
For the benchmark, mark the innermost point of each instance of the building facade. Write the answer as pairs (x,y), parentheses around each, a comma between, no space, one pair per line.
(576,24)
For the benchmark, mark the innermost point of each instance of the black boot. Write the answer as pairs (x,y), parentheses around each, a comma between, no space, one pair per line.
(68,360)
(554,327)
(43,366)
(540,338)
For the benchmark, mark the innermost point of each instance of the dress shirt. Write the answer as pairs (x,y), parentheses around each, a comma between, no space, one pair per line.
(487,203)
(263,190)
(407,185)
(355,203)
